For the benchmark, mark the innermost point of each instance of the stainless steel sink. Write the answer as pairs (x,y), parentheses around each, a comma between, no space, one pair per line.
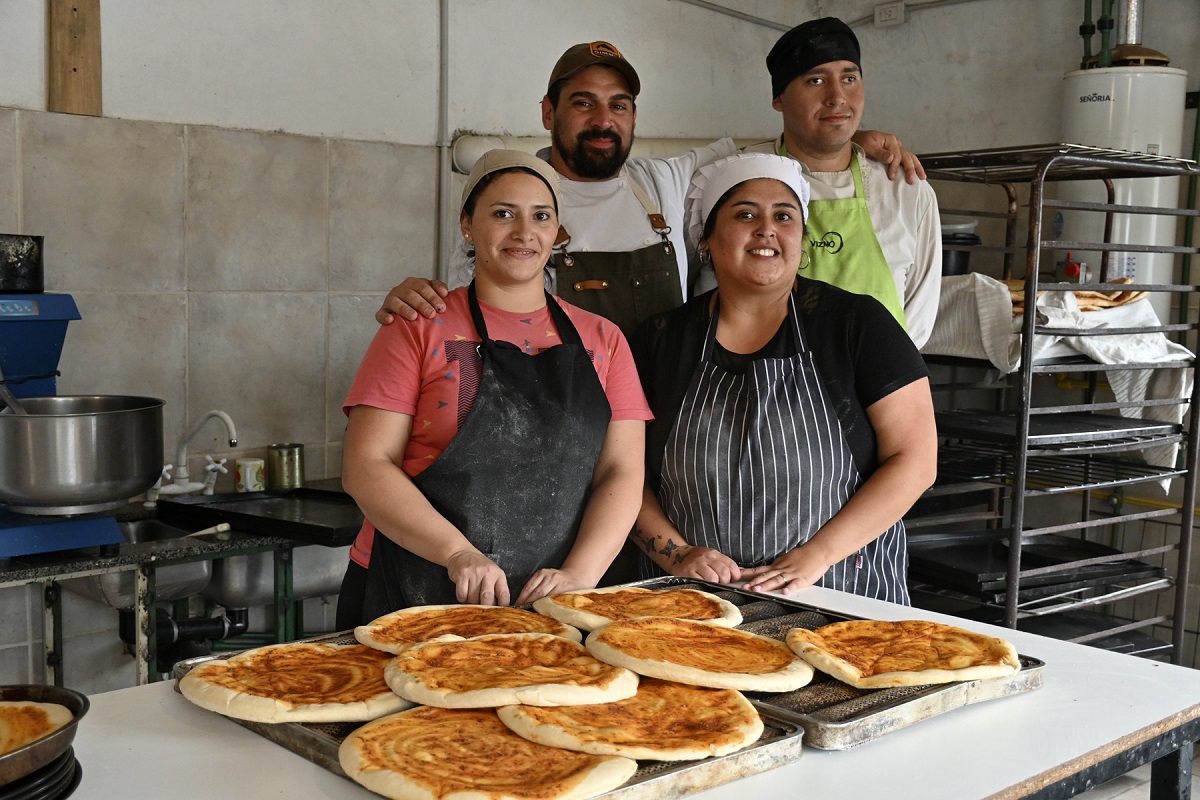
(173,582)
(249,581)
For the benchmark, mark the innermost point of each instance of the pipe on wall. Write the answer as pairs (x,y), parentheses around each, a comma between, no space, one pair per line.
(445,234)
(1133,22)
(469,147)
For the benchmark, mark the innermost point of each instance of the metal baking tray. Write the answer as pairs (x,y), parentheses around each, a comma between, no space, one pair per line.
(779,744)
(1047,429)
(975,562)
(835,715)
(826,714)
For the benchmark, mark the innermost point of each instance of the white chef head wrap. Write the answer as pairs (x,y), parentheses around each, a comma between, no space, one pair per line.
(712,181)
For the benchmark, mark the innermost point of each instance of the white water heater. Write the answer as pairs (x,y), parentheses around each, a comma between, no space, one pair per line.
(1138,108)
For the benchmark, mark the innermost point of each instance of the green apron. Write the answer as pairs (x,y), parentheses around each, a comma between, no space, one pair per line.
(844,251)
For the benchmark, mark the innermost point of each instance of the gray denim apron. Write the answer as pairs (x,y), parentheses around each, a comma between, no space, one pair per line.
(516,477)
(756,463)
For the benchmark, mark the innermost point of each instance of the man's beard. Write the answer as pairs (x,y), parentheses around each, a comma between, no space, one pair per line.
(591,163)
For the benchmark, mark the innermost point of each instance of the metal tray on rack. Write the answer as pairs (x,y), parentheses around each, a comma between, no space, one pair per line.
(975,562)
(1047,429)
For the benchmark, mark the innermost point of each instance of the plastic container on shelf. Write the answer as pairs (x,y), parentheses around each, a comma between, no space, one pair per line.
(957,232)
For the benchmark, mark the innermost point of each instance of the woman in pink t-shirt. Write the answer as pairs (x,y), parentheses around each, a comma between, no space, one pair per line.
(497,451)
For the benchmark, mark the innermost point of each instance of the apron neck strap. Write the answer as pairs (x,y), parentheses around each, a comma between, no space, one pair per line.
(566,331)
(710,338)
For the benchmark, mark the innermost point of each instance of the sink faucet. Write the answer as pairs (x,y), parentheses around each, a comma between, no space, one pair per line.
(181,469)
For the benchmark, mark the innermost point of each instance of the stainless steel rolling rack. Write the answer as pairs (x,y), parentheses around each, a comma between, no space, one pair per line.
(1032,445)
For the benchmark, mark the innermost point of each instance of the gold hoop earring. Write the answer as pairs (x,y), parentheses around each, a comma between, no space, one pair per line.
(804,260)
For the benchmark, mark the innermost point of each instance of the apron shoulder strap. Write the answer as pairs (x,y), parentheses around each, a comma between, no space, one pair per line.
(657,221)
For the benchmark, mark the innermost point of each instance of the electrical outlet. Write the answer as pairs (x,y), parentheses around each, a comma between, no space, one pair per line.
(889,14)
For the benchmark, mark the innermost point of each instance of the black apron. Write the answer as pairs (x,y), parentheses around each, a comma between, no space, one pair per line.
(758,463)
(516,477)
(625,287)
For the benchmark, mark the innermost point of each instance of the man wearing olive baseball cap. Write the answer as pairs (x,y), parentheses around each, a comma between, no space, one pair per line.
(624,216)
(864,233)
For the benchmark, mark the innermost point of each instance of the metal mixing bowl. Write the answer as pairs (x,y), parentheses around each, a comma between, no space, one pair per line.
(79,454)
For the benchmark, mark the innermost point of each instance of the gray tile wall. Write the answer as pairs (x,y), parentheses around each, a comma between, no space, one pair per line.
(216,269)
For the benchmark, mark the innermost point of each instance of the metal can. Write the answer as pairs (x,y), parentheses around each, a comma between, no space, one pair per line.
(285,466)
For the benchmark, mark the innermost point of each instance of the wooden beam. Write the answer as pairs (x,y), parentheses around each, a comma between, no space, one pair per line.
(73,57)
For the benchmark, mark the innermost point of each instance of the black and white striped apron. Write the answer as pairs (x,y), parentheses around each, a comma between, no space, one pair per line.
(757,463)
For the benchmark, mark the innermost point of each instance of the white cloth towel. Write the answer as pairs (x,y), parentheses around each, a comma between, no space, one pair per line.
(975,320)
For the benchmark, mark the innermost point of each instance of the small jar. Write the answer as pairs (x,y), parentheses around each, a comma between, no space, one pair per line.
(285,466)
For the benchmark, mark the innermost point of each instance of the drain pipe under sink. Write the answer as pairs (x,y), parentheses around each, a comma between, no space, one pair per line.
(169,631)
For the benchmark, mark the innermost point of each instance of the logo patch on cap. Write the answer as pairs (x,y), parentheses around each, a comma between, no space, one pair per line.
(604,50)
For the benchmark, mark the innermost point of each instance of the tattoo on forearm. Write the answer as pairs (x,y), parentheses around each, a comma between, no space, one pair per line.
(642,540)
(649,544)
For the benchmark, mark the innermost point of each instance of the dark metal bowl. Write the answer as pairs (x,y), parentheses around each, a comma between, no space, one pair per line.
(35,755)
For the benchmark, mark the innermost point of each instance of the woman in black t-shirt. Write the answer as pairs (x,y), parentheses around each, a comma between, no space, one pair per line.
(793,420)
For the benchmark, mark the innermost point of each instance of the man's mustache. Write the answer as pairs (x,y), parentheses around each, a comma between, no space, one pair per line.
(587,136)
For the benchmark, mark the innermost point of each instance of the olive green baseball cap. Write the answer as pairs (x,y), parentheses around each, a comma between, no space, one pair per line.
(589,54)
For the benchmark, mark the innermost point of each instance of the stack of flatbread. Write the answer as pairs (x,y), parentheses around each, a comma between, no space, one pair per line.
(1086,300)
(874,654)
(431,753)
(296,682)
(506,668)
(398,631)
(23,722)
(569,724)
(700,654)
(589,609)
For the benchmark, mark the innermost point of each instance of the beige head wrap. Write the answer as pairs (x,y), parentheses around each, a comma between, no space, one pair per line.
(497,160)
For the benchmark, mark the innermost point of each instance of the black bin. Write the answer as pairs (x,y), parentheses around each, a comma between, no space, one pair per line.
(954,261)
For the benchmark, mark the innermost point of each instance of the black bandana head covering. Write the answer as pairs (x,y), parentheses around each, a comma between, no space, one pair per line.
(809,45)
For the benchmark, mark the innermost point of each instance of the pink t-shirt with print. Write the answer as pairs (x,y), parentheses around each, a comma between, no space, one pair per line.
(430,370)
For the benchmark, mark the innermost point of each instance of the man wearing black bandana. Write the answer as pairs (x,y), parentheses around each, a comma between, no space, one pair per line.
(865,233)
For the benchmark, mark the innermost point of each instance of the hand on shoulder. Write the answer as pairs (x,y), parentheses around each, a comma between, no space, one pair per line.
(415,296)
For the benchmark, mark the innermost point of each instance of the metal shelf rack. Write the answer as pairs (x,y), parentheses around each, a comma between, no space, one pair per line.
(1024,449)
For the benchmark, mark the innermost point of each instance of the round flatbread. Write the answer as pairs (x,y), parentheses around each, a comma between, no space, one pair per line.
(874,654)
(700,654)
(664,721)
(296,682)
(468,754)
(589,609)
(23,722)
(398,631)
(536,669)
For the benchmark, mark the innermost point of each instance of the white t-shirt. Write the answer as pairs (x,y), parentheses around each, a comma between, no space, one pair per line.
(606,216)
(905,217)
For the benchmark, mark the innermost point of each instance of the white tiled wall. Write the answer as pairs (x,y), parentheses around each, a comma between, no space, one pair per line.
(215,269)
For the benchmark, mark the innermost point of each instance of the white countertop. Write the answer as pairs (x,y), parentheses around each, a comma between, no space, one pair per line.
(149,742)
